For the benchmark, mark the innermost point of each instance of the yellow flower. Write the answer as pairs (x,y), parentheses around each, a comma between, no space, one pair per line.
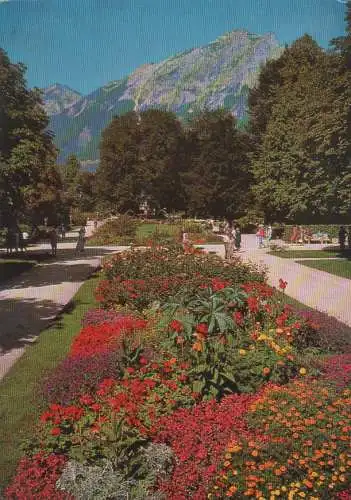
(302,371)
(242,352)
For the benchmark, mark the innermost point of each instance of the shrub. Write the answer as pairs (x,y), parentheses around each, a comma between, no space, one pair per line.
(124,227)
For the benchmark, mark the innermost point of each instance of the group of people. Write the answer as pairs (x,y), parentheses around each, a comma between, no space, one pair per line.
(54,235)
(263,235)
(16,240)
(343,233)
(232,239)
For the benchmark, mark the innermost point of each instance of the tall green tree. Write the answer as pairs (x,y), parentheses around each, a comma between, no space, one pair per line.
(217,178)
(117,185)
(139,159)
(27,153)
(300,163)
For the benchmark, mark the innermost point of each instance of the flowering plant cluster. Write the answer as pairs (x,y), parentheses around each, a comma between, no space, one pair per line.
(36,478)
(85,429)
(105,336)
(305,450)
(208,363)
(171,261)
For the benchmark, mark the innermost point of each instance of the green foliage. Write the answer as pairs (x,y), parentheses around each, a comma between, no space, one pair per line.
(299,116)
(114,231)
(29,182)
(138,161)
(216,175)
(106,481)
(171,261)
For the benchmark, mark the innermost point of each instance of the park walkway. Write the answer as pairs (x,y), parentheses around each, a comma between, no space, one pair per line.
(32,300)
(318,289)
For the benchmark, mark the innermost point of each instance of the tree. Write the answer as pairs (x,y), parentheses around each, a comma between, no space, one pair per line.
(342,44)
(27,153)
(139,155)
(116,182)
(217,178)
(301,163)
(158,168)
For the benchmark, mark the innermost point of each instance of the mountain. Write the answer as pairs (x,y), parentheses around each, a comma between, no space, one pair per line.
(219,74)
(59,98)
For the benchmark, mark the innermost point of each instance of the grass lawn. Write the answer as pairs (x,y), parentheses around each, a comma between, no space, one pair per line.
(338,267)
(308,254)
(13,267)
(20,406)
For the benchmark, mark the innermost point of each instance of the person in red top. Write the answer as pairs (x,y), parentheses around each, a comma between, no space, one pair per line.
(260,235)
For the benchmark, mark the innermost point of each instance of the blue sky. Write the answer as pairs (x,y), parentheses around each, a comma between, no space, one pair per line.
(86,43)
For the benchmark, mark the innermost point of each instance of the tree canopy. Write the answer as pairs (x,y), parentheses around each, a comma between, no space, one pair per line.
(29,181)
(301,163)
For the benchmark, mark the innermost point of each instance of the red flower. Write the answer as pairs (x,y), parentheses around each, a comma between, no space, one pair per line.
(56,431)
(86,399)
(176,325)
(282,284)
(238,318)
(95,407)
(252,303)
(202,328)
(143,360)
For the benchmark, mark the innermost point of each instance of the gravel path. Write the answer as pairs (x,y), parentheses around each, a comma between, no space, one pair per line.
(30,301)
(318,289)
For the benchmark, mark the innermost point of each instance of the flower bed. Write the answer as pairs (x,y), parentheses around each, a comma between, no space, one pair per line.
(126,230)
(203,387)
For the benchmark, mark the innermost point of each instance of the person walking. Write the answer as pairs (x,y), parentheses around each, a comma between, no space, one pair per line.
(62,231)
(10,241)
(186,243)
(342,237)
(80,241)
(269,233)
(260,235)
(295,235)
(228,240)
(53,241)
(237,238)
